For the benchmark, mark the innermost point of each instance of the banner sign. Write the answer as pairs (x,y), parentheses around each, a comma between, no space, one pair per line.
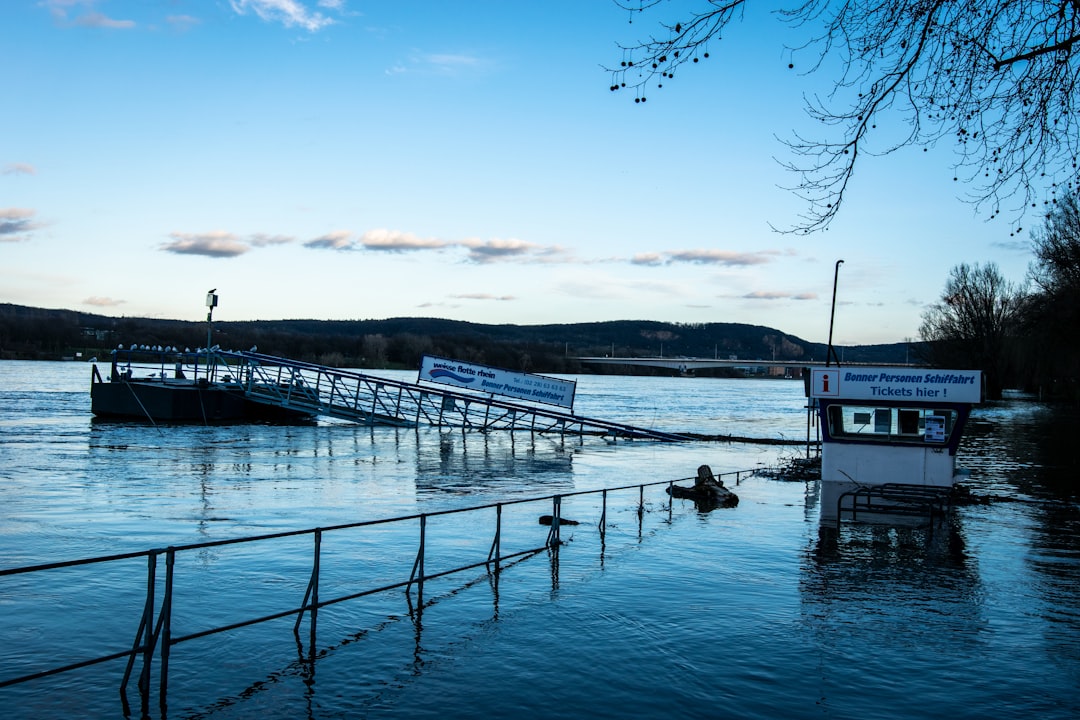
(918,385)
(482,378)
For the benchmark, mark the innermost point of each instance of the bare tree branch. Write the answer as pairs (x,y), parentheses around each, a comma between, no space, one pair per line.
(998,79)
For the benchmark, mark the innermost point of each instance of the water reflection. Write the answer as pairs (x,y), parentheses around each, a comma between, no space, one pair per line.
(1027,451)
(489,464)
(981,611)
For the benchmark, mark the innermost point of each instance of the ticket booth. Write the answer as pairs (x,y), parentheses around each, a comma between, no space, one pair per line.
(889,437)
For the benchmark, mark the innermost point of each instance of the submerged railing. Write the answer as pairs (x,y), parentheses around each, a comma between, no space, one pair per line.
(156,634)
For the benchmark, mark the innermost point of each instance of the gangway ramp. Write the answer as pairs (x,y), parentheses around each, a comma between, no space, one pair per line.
(372,400)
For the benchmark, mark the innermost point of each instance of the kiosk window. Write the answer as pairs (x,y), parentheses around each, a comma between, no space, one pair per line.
(914,425)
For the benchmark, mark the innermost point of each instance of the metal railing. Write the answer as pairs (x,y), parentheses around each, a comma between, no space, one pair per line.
(355,396)
(156,633)
(928,501)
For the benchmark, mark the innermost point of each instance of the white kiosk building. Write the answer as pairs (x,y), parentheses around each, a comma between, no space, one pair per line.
(889,437)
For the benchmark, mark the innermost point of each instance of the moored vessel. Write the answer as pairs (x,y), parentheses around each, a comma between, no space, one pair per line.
(172,386)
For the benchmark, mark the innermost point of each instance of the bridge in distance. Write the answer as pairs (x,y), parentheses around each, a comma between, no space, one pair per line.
(687,364)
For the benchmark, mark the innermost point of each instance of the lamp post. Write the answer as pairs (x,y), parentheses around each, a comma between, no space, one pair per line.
(830,353)
(211,303)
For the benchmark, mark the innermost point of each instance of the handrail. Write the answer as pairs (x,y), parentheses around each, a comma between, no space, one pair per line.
(155,631)
(415,394)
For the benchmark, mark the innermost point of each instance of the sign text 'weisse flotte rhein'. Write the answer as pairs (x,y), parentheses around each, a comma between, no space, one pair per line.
(483,378)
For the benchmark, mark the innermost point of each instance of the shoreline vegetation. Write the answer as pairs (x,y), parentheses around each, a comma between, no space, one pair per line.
(28,333)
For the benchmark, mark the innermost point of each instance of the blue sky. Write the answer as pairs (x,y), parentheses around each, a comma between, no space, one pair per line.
(353,159)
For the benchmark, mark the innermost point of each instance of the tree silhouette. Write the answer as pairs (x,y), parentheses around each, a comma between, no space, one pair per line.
(974,323)
(998,78)
(1053,312)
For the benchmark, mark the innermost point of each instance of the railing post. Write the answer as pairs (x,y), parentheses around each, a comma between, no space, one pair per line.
(315,568)
(166,629)
(148,632)
(603,515)
(418,566)
(375,402)
(420,560)
(556,520)
(640,511)
(496,544)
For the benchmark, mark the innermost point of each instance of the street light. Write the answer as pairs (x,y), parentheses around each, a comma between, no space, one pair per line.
(211,303)
(830,353)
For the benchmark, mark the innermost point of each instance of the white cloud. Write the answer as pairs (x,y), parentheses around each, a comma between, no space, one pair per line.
(182,22)
(727,258)
(647,259)
(397,241)
(217,243)
(485,251)
(97,20)
(290,13)
(97,301)
(16,224)
(778,295)
(479,251)
(337,240)
(483,296)
(61,11)
(19,169)
(441,64)
(263,240)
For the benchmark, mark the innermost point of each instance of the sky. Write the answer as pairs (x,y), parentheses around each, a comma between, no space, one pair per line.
(369,159)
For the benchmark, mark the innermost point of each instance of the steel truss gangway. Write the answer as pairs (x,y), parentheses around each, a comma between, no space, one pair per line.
(372,400)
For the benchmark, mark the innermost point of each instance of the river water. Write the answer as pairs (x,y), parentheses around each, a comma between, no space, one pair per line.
(754,612)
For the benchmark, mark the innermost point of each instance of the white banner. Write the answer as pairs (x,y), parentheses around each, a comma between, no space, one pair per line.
(482,378)
(918,385)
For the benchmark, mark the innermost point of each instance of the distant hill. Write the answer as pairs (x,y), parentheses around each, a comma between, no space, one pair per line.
(35,333)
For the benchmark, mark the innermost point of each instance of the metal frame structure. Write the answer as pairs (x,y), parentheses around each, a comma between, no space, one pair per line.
(372,400)
(895,499)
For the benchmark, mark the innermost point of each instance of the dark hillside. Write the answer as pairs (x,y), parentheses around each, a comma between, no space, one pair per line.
(34,333)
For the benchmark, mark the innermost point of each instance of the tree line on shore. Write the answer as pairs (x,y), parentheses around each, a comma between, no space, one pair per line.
(1020,334)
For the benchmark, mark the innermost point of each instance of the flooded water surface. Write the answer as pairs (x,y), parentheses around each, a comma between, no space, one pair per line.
(759,611)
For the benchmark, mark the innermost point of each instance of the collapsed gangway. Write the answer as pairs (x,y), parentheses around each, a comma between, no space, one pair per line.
(372,400)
